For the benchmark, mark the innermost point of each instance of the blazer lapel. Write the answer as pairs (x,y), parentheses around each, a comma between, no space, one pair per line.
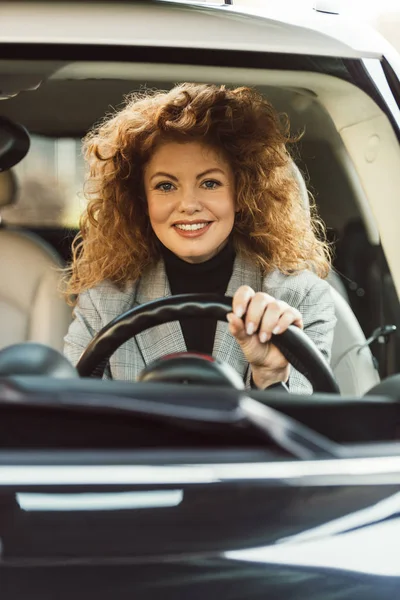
(168,338)
(162,339)
(226,347)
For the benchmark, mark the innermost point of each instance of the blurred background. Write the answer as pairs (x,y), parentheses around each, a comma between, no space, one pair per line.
(383,15)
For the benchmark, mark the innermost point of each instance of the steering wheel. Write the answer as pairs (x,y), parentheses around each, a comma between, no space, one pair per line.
(294,344)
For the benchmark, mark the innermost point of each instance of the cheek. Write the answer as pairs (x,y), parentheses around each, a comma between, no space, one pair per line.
(227,211)
(158,211)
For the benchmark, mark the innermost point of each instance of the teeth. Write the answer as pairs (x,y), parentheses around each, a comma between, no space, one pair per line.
(193,227)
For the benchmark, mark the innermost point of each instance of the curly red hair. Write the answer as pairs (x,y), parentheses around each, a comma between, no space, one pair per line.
(116,241)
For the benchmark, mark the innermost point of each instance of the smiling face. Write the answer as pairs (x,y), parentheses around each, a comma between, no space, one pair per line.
(191,199)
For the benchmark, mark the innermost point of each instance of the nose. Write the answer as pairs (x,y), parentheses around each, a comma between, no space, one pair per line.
(189,202)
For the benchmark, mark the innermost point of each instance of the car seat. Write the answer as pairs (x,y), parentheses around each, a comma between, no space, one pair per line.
(352,362)
(31,306)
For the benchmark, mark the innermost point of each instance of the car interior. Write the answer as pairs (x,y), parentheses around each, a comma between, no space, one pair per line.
(73,96)
(42,195)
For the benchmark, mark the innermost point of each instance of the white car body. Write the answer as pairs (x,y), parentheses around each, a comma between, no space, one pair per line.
(194,25)
(329,517)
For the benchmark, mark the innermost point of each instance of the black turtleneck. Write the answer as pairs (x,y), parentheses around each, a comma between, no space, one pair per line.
(209,277)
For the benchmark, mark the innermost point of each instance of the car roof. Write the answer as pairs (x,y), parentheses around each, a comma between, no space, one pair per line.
(160,23)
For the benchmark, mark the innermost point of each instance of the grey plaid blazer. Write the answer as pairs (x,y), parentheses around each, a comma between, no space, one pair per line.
(99,305)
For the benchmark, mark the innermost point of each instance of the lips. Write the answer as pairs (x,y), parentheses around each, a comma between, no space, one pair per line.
(191,226)
(192,229)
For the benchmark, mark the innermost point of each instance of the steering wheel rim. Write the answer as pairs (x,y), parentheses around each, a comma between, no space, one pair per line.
(294,344)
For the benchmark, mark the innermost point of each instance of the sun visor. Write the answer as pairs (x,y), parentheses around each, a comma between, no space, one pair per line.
(11,85)
(14,143)
(18,76)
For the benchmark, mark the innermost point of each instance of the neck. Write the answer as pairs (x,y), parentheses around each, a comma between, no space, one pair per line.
(226,249)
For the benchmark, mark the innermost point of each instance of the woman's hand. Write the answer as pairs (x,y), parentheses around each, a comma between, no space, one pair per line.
(264,316)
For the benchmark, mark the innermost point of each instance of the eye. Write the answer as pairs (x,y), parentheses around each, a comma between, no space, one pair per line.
(211,184)
(164,186)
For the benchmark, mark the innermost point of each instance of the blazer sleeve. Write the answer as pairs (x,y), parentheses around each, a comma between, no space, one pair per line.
(312,297)
(319,319)
(86,324)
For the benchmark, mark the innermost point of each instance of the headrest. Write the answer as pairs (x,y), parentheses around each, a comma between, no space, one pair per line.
(297,174)
(8,188)
(30,358)
(14,143)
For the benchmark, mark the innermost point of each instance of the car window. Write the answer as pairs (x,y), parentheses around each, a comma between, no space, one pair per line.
(49,184)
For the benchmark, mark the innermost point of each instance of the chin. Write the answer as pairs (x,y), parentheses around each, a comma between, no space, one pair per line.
(196,257)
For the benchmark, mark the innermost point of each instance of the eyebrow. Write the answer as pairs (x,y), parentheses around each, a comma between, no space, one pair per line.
(162,174)
(199,176)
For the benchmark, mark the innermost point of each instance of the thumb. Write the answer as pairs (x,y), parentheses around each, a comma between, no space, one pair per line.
(237,328)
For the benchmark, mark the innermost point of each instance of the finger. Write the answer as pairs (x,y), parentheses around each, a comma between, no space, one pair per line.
(288,317)
(270,319)
(241,300)
(255,311)
(237,327)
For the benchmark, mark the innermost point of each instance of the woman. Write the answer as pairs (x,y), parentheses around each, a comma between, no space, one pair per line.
(192,191)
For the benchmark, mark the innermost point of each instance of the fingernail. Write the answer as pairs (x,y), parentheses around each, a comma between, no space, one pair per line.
(276,330)
(263,337)
(229,318)
(250,329)
(239,312)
